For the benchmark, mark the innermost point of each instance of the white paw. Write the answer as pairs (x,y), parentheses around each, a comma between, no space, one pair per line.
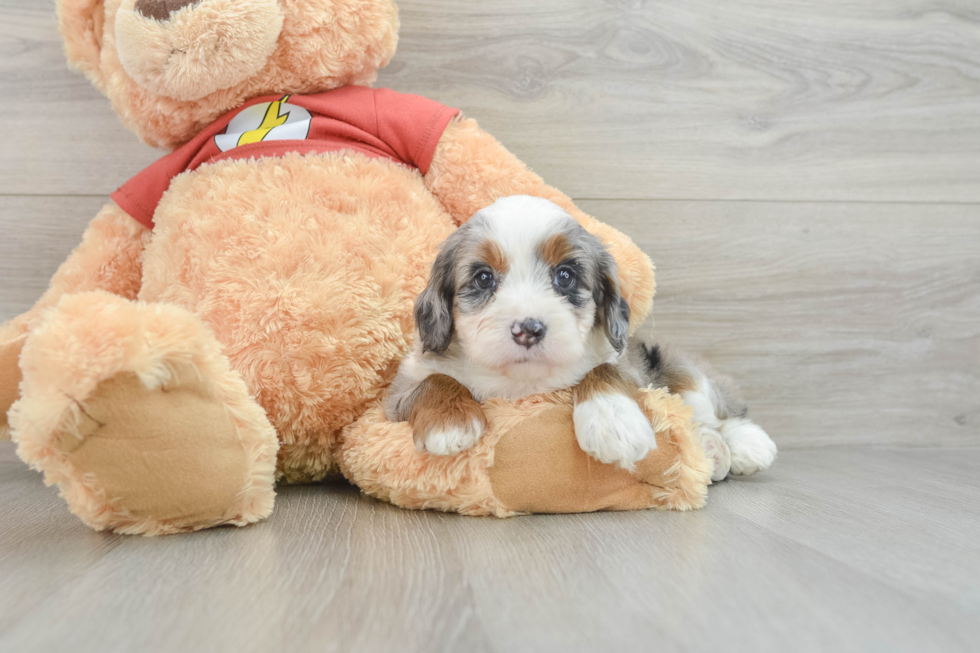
(717,452)
(612,429)
(752,449)
(450,441)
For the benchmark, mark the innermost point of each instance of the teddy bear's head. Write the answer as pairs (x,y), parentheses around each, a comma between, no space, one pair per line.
(171,67)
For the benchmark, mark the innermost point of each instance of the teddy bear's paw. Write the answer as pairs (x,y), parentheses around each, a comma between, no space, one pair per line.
(451,439)
(716,451)
(751,448)
(133,411)
(612,429)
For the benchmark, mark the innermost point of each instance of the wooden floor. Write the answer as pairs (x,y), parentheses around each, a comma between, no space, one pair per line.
(836,549)
(806,176)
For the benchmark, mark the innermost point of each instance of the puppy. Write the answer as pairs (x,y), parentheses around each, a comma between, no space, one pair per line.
(523,300)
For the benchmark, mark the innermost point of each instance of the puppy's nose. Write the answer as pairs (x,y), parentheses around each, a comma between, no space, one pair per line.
(528,333)
(161,9)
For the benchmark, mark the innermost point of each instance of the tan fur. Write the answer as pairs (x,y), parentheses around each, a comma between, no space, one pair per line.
(322,45)
(528,461)
(490,253)
(10,377)
(78,367)
(442,403)
(283,285)
(110,257)
(605,379)
(330,282)
(555,250)
(201,48)
(136,441)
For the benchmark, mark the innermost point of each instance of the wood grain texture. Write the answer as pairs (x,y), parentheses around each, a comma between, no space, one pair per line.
(843,550)
(747,99)
(693,99)
(36,235)
(60,135)
(843,323)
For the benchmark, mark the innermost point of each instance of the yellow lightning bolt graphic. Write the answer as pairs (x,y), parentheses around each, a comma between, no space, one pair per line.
(270,121)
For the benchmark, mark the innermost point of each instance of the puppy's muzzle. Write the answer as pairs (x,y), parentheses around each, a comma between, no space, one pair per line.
(528,332)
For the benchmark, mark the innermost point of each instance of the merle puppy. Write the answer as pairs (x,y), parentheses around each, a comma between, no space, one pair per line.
(523,300)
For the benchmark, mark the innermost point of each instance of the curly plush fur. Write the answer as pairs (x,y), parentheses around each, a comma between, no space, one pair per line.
(306,267)
(542,466)
(268,309)
(322,45)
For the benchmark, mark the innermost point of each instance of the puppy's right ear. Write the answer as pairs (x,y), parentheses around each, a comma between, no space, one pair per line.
(434,307)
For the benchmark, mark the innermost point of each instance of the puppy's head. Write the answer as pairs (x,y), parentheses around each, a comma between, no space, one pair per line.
(524,289)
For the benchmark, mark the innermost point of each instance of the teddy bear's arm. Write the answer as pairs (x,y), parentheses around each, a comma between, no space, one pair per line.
(471,170)
(110,258)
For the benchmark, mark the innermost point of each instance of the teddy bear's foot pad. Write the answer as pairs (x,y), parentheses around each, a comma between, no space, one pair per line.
(539,467)
(169,455)
(132,410)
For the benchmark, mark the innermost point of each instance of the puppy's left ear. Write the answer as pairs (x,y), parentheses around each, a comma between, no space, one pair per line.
(613,311)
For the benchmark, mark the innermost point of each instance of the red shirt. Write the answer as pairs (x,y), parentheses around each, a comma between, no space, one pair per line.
(375,122)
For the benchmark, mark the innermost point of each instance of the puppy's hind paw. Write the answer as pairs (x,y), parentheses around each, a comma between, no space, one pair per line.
(752,448)
(612,429)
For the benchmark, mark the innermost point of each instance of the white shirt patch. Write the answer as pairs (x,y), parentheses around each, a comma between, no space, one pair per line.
(268,121)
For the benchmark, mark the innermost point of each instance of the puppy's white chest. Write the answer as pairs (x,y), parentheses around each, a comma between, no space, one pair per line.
(489,384)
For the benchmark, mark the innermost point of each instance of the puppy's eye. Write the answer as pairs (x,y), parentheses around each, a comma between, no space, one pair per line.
(484,280)
(564,278)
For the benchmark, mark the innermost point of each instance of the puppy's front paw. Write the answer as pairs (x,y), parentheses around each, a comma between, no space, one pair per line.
(612,429)
(449,439)
(752,448)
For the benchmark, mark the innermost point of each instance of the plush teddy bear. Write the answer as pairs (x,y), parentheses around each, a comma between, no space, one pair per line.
(233,317)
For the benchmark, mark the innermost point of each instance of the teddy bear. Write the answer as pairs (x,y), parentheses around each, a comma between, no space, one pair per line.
(232,317)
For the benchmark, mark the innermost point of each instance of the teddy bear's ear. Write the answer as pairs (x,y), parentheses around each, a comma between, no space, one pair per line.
(81,23)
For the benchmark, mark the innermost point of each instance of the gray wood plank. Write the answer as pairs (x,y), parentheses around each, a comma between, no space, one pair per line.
(36,235)
(832,549)
(746,99)
(694,99)
(844,323)
(60,135)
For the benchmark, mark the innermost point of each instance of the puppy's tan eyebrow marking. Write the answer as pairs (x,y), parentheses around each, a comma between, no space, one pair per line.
(555,250)
(490,253)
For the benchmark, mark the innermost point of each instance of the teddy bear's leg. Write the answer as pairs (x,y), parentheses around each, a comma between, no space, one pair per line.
(108,258)
(9,379)
(134,412)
